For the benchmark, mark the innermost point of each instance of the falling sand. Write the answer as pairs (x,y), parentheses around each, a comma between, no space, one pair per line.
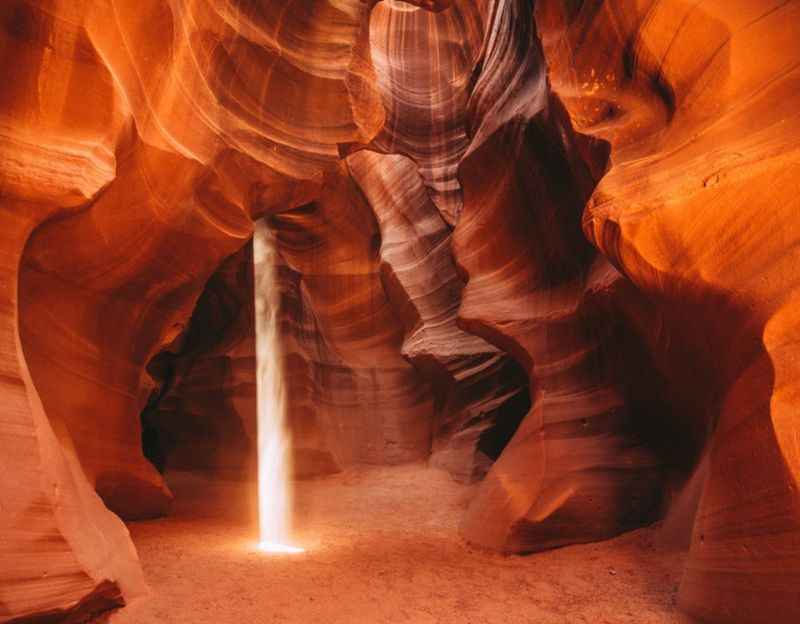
(382,546)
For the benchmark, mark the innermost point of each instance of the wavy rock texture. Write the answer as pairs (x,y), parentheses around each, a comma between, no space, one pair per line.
(203,414)
(576,470)
(200,76)
(136,152)
(423,63)
(700,104)
(351,393)
(447,294)
(61,551)
(472,379)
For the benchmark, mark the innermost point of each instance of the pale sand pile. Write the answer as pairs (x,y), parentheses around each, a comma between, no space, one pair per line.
(382,547)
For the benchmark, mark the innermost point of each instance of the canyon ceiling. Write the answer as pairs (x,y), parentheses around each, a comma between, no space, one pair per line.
(552,247)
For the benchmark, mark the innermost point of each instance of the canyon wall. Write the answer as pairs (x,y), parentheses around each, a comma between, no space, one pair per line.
(700,104)
(549,247)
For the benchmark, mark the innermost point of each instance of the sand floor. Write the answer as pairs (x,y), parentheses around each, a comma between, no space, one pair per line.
(382,546)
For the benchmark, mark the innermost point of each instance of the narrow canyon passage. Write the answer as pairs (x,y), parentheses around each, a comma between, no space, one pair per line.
(382,546)
(524,337)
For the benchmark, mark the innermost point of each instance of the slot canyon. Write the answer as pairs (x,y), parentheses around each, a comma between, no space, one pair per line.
(386,312)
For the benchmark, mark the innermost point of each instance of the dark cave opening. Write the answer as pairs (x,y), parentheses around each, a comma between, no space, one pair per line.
(192,420)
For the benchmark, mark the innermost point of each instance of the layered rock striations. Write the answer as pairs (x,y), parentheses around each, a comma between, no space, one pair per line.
(546,246)
(131,167)
(351,393)
(61,550)
(424,62)
(576,469)
(202,415)
(699,102)
(471,378)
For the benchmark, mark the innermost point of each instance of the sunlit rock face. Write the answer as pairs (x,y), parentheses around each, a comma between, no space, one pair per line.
(61,549)
(127,175)
(352,395)
(549,247)
(471,378)
(424,62)
(700,104)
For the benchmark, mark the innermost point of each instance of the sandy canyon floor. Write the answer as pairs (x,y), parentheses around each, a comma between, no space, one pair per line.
(382,546)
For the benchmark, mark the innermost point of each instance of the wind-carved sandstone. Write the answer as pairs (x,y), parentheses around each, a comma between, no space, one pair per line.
(549,248)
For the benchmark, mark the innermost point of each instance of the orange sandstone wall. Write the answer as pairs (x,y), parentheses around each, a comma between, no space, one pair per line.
(700,210)
(547,246)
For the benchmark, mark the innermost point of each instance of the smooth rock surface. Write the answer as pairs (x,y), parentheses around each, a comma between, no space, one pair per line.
(700,104)
(550,247)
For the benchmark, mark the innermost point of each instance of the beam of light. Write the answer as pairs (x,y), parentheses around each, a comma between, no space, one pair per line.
(274,447)
(279,548)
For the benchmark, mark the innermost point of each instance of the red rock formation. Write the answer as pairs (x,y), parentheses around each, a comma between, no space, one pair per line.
(700,104)
(471,378)
(61,550)
(423,63)
(575,470)
(349,387)
(426,169)
(116,162)
(202,416)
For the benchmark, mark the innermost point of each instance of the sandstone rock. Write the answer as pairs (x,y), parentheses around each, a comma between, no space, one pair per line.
(700,106)
(423,65)
(575,470)
(118,207)
(471,378)
(351,393)
(585,222)
(202,417)
(62,553)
